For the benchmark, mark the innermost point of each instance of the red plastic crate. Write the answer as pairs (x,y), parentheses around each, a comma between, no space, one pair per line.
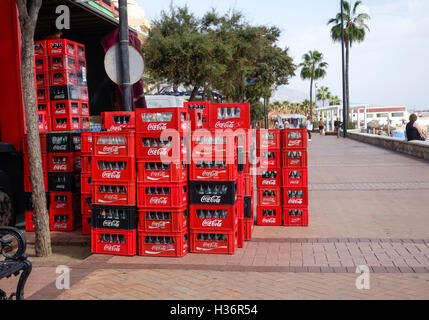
(268,139)
(86,183)
(157,120)
(44,121)
(240,233)
(85,123)
(40,48)
(269,196)
(294,139)
(248,229)
(150,196)
(117,169)
(62,62)
(41,64)
(224,172)
(86,164)
(44,107)
(226,116)
(169,151)
(81,65)
(240,184)
(163,244)
(86,224)
(204,241)
(83,93)
(42,79)
(62,78)
(248,185)
(61,47)
(157,172)
(294,159)
(84,108)
(43,95)
(114,144)
(269,177)
(265,163)
(295,217)
(163,220)
(61,162)
(86,204)
(61,221)
(295,196)
(213,217)
(116,242)
(198,105)
(269,216)
(208,146)
(26,160)
(65,108)
(80,50)
(295,177)
(198,119)
(114,193)
(27,182)
(62,201)
(29,223)
(65,123)
(86,143)
(118,121)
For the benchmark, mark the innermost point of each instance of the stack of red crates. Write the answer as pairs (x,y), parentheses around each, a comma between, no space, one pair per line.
(162,189)
(62,88)
(86,181)
(41,67)
(295,177)
(113,177)
(269,182)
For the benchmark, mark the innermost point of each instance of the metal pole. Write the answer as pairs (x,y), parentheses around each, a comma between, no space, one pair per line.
(345,111)
(125,56)
(265,113)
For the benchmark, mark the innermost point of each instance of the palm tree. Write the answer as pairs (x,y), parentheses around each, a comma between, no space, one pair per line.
(323,94)
(313,68)
(355,27)
(334,101)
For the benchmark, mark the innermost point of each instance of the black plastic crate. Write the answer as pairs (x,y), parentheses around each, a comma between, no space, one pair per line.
(213,192)
(63,142)
(248,207)
(61,182)
(28,201)
(114,217)
(67,92)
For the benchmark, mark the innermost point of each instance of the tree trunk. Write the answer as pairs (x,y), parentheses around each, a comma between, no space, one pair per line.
(194,93)
(28,19)
(347,80)
(204,94)
(311,98)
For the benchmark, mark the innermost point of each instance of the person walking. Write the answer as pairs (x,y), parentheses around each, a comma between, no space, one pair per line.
(309,126)
(321,126)
(413,131)
(337,124)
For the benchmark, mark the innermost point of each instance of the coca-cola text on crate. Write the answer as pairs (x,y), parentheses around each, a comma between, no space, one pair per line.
(163,220)
(295,177)
(61,47)
(159,172)
(229,116)
(156,120)
(61,182)
(114,217)
(61,221)
(163,244)
(269,139)
(62,201)
(62,63)
(269,177)
(41,64)
(61,78)
(269,159)
(295,196)
(113,169)
(66,123)
(213,192)
(61,162)
(40,48)
(294,159)
(114,193)
(172,195)
(65,92)
(268,196)
(213,217)
(113,144)
(42,95)
(157,147)
(213,170)
(116,242)
(269,215)
(118,121)
(294,139)
(295,216)
(217,242)
(65,108)
(214,145)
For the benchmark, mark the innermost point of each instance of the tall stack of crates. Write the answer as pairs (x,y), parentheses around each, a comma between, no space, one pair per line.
(41,68)
(86,181)
(162,175)
(269,177)
(295,177)
(113,176)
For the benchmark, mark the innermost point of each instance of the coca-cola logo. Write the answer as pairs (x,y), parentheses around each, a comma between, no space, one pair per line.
(60,225)
(210,174)
(295,201)
(111,175)
(60,205)
(111,150)
(268,200)
(293,143)
(269,182)
(117,128)
(157,152)
(111,223)
(157,126)
(294,181)
(61,126)
(113,248)
(161,247)
(159,224)
(158,200)
(225,125)
(159,174)
(210,199)
(111,197)
(294,162)
(60,111)
(60,167)
(210,244)
(268,220)
(217,223)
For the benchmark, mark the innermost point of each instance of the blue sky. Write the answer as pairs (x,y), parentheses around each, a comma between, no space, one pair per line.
(389,68)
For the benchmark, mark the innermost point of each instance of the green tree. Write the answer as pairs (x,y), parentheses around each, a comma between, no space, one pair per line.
(313,68)
(323,94)
(256,110)
(334,101)
(355,27)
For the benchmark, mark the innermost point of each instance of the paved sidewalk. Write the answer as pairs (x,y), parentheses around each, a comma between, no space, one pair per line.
(368,206)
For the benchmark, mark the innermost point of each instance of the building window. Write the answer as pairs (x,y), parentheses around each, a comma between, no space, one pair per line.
(382,115)
(398,115)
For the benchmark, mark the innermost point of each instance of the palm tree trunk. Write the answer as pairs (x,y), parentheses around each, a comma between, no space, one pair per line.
(311,97)
(347,79)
